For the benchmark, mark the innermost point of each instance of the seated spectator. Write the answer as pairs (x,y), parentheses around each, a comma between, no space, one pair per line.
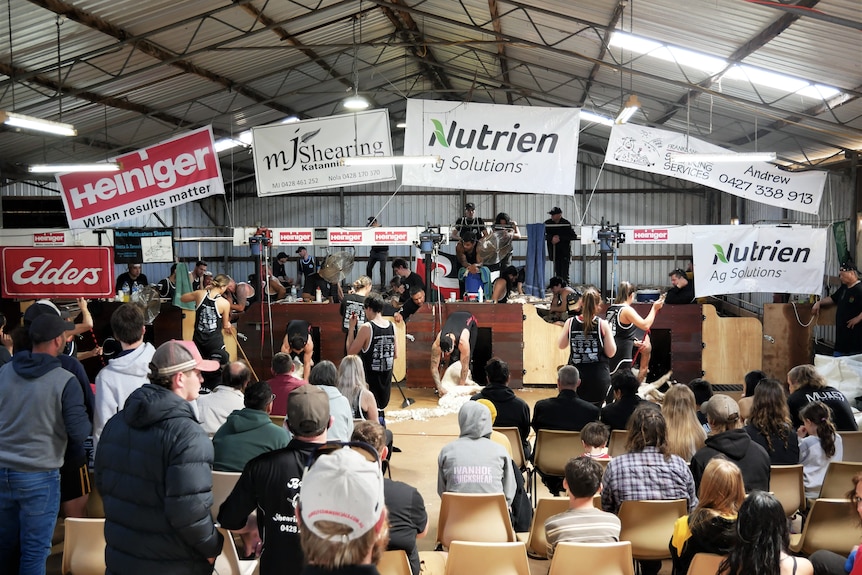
(408,520)
(594,437)
(249,431)
(624,386)
(582,522)
(769,423)
(685,434)
(213,408)
(702,392)
(749,384)
(819,445)
(563,300)
(325,376)
(728,439)
(711,527)
(286,376)
(473,463)
(807,386)
(512,411)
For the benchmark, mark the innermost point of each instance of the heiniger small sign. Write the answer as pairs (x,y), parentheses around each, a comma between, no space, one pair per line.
(57,272)
(162,176)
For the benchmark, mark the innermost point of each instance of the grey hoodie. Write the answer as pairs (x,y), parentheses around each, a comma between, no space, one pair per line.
(473,463)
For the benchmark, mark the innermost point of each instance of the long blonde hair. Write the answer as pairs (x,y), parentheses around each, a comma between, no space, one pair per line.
(721,492)
(685,434)
(590,302)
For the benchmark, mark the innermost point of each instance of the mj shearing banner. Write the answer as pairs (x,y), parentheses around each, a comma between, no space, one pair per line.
(649,150)
(758,259)
(492,147)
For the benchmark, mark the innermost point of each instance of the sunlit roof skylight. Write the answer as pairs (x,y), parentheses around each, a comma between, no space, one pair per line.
(712,65)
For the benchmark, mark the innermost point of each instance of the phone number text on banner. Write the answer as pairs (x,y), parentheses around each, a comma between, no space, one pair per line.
(649,150)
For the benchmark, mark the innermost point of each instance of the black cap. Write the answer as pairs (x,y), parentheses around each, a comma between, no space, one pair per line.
(300,248)
(847,266)
(48,326)
(469,206)
(281,256)
(38,309)
(555,210)
(371,220)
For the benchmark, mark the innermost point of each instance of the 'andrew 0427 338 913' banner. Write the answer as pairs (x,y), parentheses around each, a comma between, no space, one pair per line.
(173,172)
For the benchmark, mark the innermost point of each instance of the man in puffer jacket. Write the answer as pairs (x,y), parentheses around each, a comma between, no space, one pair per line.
(154,471)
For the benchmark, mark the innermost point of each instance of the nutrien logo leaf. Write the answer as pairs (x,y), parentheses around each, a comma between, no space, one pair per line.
(438,132)
(719,253)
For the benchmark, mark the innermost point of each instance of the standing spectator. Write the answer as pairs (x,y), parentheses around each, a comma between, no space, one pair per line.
(278,268)
(325,376)
(566,412)
(473,463)
(42,409)
(126,371)
(196,276)
(563,299)
(342,514)
(559,235)
(154,471)
(582,522)
(286,376)
(168,286)
(819,445)
(848,314)
(647,470)
(472,275)
(305,266)
(682,290)
(375,344)
(507,230)
(685,435)
(624,385)
(401,268)
(727,438)
(132,280)
(379,254)
(354,303)
(408,520)
(591,344)
(469,223)
(270,484)
(512,411)
(806,386)
(769,423)
(249,431)
(215,407)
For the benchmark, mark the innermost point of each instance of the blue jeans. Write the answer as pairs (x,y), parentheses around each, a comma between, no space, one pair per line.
(29,504)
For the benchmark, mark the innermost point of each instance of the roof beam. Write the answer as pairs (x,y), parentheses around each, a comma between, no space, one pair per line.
(606,39)
(501,46)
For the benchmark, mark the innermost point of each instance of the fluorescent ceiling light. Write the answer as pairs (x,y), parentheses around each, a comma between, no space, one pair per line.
(37,124)
(632,105)
(401,125)
(388,160)
(355,102)
(290,120)
(723,157)
(64,168)
(226,144)
(587,116)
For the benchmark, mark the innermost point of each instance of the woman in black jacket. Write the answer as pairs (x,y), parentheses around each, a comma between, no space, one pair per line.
(769,423)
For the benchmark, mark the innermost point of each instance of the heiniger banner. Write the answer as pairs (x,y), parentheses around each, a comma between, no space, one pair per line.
(525,149)
(650,150)
(168,174)
(759,259)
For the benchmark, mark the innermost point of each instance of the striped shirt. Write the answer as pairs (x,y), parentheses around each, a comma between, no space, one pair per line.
(587,525)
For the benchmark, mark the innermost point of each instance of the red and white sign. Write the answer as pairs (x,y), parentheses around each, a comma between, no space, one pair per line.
(49,239)
(168,174)
(345,237)
(650,235)
(58,272)
(288,237)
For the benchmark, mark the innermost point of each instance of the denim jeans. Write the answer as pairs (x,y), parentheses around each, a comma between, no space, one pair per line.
(29,503)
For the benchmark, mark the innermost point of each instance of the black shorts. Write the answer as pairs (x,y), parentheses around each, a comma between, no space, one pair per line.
(74,482)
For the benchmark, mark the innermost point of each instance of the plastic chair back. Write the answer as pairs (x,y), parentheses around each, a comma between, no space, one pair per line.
(839,479)
(649,526)
(228,561)
(394,562)
(832,524)
(572,558)
(223,483)
(478,517)
(617,442)
(851,441)
(84,546)
(785,482)
(487,559)
(705,564)
(514,437)
(547,507)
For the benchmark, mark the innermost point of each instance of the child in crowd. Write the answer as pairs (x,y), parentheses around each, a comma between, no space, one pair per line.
(594,436)
(819,444)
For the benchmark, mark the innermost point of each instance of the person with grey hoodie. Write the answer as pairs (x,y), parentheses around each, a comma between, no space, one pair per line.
(125,372)
(473,463)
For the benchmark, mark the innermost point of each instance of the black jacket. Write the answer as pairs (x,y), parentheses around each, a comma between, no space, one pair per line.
(718,536)
(512,411)
(566,412)
(616,415)
(737,446)
(780,454)
(154,471)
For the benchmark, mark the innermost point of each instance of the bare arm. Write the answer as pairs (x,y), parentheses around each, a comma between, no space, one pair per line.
(563,339)
(86,319)
(824,302)
(501,286)
(224,309)
(608,336)
(192,296)
(629,315)
(360,341)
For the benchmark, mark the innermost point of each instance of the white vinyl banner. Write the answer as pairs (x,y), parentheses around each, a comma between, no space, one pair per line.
(492,147)
(753,259)
(649,150)
(305,156)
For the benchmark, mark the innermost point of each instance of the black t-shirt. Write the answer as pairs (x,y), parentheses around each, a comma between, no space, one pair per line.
(842,415)
(475,225)
(677,295)
(849,304)
(126,279)
(407,518)
(413,279)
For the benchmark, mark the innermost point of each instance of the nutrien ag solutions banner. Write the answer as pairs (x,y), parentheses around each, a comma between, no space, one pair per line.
(168,174)
(649,150)
(305,156)
(749,259)
(525,149)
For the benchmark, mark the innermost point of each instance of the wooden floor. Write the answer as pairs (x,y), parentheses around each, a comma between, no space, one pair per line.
(420,443)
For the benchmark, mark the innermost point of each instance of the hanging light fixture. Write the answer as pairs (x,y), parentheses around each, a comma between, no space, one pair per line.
(36,124)
(388,160)
(722,157)
(67,168)
(355,102)
(632,105)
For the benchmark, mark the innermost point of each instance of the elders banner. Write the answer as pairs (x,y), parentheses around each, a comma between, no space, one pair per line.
(754,259)
(649,149)
(166,175)
(525,149)
(57,272)
(305,156)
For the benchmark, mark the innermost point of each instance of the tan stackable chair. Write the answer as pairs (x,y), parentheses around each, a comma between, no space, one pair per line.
(851,442)
(572,558)
(480,517)
(785,482)
(705,564)
(617,442)
(553,450)
(839,479)
(394,562)
(536,540)
(228,561)
(473,558)
(223,483)
(649,525)
(832,524)
(84,546)
(517,447)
